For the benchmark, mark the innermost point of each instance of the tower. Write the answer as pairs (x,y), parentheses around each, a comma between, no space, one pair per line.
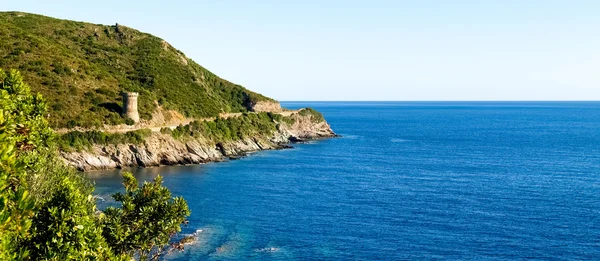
(130,108)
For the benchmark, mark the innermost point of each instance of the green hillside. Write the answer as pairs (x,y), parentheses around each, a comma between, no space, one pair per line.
(81,68)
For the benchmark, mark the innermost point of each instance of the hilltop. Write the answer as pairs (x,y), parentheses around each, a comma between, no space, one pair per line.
(81,69)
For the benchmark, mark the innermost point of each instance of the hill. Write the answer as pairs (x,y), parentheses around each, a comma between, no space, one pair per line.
(81,68)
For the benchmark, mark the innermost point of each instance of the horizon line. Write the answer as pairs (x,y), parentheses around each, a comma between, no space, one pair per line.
(438,100)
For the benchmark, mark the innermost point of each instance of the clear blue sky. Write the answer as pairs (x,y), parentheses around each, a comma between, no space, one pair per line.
(373,50)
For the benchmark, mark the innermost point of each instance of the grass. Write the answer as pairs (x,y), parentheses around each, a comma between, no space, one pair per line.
(76,140)
(81,68)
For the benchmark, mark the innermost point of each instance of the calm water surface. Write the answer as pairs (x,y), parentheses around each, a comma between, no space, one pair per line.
(464,181)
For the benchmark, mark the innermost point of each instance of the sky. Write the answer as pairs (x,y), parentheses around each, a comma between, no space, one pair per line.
(334,50)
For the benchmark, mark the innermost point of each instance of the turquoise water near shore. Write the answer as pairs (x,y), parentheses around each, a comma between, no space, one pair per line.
(408,180)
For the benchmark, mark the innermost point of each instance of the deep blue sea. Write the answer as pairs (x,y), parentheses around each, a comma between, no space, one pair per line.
(408,180)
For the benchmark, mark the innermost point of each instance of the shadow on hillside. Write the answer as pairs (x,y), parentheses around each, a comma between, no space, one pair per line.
(111,106)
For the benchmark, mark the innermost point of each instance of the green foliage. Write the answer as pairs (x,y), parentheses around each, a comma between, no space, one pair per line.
(129,121)
(65,227)
(166,130)
(80,68)
(315,115)
(220,130)
(26,125)
(22,129)
(247,125)
(42,202)
(232,128)
(16,207)
(147,219)
(47,211)
(83,140)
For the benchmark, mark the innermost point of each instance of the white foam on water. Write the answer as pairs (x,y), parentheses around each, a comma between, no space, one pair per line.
(195,235)
(268,249)
(273,251)
(398,140)
(205,239)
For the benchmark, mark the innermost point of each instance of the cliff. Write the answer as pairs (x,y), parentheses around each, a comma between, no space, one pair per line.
(261,106)
(164,149)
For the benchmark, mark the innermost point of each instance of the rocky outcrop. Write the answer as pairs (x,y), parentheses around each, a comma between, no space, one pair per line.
(163,149)
(265,106)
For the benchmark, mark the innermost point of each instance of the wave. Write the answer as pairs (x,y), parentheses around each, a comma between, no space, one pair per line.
(267,249)
(398,140)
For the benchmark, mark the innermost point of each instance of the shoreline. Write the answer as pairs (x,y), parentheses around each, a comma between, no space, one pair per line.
(164,150)
(284,146)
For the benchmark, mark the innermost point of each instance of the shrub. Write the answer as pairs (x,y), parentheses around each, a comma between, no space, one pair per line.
(84,140)
(147,219)
(129,121)
(46,212)
(166,130)
(316,116)
(233,128)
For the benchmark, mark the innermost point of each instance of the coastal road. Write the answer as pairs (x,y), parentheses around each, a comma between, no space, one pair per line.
(126,128)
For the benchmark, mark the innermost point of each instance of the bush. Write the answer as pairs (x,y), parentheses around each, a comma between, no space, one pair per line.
(166,130)
(84,140)
(65,227)
(146,221)
(233,128)
(316,116)
(17,208)
(46,211)
(129,121)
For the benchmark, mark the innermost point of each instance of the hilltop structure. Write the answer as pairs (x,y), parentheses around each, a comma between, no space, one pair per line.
(130,107)
(105,60)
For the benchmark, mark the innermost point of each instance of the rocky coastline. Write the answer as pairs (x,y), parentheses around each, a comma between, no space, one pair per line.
(162,149)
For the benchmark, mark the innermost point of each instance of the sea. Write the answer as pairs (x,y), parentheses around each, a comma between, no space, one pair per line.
(405,181)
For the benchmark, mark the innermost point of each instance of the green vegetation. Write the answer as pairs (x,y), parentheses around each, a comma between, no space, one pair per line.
(233,128)
(47,211)
(84,140)
(219,130)
(316,116)
(135,228)
(16,203)
(81,68)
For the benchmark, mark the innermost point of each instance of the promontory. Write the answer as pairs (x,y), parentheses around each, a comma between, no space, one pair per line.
(119,97)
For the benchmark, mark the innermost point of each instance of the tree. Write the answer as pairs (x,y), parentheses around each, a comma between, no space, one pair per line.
(22,128)
(24,113)
(16,207)
(148,219)
(47,211)
(54,219)
(66,228)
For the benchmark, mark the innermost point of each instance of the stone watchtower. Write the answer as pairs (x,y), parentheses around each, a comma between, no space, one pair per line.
(130,107)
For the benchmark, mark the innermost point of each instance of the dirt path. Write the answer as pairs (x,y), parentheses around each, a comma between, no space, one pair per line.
(126,128)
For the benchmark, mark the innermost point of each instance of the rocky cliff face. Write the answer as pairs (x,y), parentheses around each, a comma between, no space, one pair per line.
(265,106)
(163,149)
